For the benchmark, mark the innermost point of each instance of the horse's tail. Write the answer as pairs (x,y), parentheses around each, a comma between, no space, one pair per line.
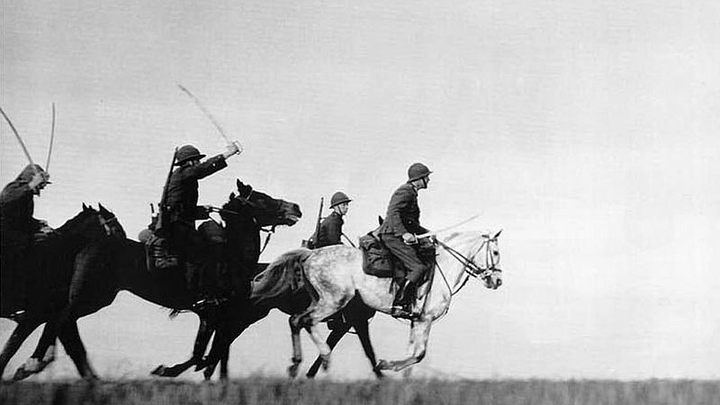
(285,274)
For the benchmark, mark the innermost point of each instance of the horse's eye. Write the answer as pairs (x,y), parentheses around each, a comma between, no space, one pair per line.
(496,253)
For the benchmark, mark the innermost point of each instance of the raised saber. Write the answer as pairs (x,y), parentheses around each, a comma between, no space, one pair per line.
(433,233)
(52,138)
(210,116)
(17,136)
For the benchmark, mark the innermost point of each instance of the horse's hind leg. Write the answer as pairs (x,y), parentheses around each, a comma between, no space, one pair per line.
(312,317)
(361,327)
(332,340)
(43,355)
(296,345)
(224,365)
(18,336)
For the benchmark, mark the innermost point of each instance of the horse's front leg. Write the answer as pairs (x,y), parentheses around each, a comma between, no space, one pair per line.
(419,333)
(204,333)
(71,341)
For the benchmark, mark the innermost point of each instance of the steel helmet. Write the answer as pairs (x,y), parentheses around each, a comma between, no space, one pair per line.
(417,171)
(187,152)
(339,198)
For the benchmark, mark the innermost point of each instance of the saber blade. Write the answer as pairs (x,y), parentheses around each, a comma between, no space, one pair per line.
(449,227)
(17,136)
(206,112)
(52,139)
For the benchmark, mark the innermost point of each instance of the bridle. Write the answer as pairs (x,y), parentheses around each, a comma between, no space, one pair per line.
(470,268)
(270,229)
(107,222)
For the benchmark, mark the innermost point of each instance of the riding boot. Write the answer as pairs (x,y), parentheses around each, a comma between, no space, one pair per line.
(402,306)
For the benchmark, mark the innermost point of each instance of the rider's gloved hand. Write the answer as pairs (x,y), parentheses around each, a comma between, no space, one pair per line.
(409,238)
(38,181)
(232,149)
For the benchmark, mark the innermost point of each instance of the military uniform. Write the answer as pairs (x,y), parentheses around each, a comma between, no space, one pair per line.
(17,227)
(330,230)
(403,216)
(181,203)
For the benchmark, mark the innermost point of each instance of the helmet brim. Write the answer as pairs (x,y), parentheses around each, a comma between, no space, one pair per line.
(194,157)
(340,202)
(418,177)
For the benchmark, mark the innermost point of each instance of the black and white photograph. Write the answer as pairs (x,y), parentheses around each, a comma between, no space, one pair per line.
(360,202)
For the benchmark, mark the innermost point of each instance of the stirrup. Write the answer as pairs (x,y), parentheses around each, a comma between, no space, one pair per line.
(399,311)
(18,316)
(207,303)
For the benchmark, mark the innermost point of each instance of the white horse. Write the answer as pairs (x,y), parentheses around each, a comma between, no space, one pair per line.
(335,274)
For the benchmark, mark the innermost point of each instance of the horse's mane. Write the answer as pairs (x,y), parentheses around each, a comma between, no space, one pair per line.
(282,275)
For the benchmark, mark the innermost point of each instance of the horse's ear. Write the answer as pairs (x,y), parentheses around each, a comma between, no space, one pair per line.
(102,209)
(497,234)
(85,207)
(239,184)
(380,220)
(232,195)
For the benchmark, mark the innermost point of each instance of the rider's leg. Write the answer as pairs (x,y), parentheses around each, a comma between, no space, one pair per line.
(415,271)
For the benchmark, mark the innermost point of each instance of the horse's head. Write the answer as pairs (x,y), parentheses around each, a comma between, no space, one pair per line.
(265,210)
(490,273)
(93,224)
(479,256)
(110,223)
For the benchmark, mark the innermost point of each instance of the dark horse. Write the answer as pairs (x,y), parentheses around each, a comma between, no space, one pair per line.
(50,273)
(107,268)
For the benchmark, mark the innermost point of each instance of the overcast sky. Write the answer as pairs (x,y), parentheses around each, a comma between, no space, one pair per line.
(587,130)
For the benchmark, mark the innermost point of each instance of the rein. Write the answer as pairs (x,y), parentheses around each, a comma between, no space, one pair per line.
(246,200)
(270,233)
(470,268)
(106,223)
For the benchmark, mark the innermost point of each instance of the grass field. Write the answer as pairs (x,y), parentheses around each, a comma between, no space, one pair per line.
(254,391)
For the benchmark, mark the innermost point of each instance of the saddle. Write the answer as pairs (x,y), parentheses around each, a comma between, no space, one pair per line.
(378,261)
(159,254)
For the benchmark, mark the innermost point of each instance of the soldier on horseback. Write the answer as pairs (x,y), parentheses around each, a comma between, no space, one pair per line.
(398,233)
(180,208)
(19,232)
(330,229)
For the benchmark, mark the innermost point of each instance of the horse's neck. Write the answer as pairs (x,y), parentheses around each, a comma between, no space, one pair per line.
(243,240)
(450,271)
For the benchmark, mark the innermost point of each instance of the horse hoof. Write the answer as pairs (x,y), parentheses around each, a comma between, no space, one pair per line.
(379,374)
(159,370)
(21,374)
(325,361)
(293,370)
(91,379)
(382,365)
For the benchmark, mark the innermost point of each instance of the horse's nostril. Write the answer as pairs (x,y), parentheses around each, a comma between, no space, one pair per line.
(499,283)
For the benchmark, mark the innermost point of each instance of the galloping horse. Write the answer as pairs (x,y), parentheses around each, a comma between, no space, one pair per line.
(107,268)
(246,216)
(52,277)
(335,274)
